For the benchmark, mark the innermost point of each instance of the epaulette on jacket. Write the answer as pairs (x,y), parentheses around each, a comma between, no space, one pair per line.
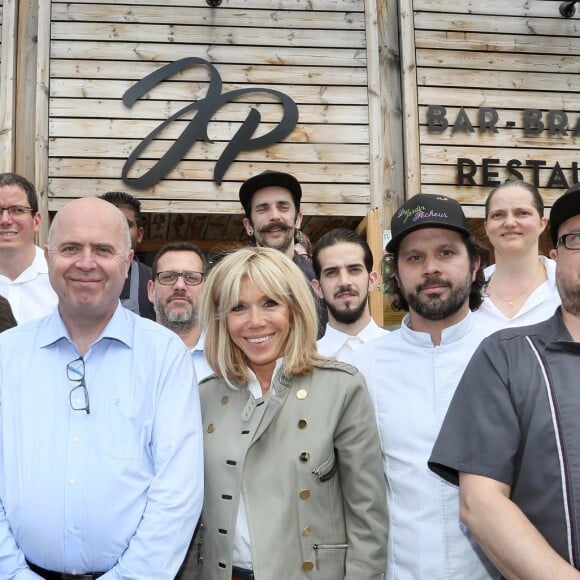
(339,365)
(205,379)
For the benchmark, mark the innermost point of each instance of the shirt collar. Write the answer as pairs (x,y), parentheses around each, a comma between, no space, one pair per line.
(118,328)
(451,334)
(200,344)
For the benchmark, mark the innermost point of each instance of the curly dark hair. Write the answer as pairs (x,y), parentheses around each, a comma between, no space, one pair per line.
(474,250)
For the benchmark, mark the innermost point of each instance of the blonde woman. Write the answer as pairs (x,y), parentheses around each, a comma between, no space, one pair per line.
(294,486)
(521,285)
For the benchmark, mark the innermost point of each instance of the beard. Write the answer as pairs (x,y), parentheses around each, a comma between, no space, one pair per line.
(348,315)
(184,320)
(569,291)
(434,307)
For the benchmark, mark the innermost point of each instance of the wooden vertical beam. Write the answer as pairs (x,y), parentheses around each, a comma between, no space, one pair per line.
(392,109)
(376,142)
(410,100)
(41,95)
(26,50)
(374,238)
(7,84)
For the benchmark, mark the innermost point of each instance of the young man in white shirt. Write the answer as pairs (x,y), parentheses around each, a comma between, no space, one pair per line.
(23,270)
(412,374)
(343,266)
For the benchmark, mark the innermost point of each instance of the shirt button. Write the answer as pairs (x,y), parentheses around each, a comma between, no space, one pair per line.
(308,566)
(304,456)
(302,424)
(72,480)
(75,439)
(210,428)
(304,494)
(71,529)
(306,531)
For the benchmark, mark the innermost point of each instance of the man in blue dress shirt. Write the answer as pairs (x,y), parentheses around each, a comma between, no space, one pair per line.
(101,471)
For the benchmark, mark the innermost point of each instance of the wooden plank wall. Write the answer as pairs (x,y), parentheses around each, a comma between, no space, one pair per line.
(489,53)
(7,64)
(312,50)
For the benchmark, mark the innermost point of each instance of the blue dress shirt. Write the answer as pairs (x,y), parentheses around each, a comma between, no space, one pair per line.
(119,489)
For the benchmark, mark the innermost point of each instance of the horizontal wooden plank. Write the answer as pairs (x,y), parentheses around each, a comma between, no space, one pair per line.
(215,207)
(504,138)
(443,77)
(203,170)
(506,99)
(122,148)
(477,41)
(271,113)
(163,53)
(307,5)
(83,87)
(447,174)
(445,154)
(139,129)
(225,16)
(531,63)
(476,195)
(206,35)
(255,80)
(461,22)
(495,8)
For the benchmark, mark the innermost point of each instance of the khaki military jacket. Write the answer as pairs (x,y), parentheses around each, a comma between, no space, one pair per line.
(308,464)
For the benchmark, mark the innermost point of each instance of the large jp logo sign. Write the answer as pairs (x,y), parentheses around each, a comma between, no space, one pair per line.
(197,127)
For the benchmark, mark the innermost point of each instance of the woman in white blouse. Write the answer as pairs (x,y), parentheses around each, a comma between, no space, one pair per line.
(521,287)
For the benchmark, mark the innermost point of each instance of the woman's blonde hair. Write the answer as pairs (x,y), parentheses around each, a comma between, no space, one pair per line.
(281,280)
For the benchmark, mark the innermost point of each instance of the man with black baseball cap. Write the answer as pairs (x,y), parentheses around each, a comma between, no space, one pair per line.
(511,438)
(271,202)
(412,374)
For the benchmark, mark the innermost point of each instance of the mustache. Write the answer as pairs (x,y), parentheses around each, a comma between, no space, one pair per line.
(181,295)
(274,226)
(342,289)
(433,281)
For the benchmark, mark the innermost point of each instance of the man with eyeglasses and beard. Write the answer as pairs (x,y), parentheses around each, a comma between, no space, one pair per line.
(101,451)
(271,202)
(343,265)
(178,275)
(23,270)
(412,374)
(511,438)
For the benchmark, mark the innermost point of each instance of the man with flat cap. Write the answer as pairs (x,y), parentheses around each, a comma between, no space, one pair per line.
(271,202)
(511,438)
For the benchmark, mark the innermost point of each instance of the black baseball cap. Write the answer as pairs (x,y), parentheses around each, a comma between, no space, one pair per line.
(269,179)
(565,207)
(426,210)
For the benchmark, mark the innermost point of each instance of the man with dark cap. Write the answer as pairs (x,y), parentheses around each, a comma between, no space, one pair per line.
(511,438)
(412,374)
(271,202)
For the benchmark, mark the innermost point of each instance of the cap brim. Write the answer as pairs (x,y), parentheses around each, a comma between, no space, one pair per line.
(393,244)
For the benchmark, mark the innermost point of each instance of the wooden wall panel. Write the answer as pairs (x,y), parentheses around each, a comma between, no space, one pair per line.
(506,56)
(312,50)
(7,73)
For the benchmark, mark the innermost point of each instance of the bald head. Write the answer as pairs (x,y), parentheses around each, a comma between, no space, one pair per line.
(90,207)
(89,254)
